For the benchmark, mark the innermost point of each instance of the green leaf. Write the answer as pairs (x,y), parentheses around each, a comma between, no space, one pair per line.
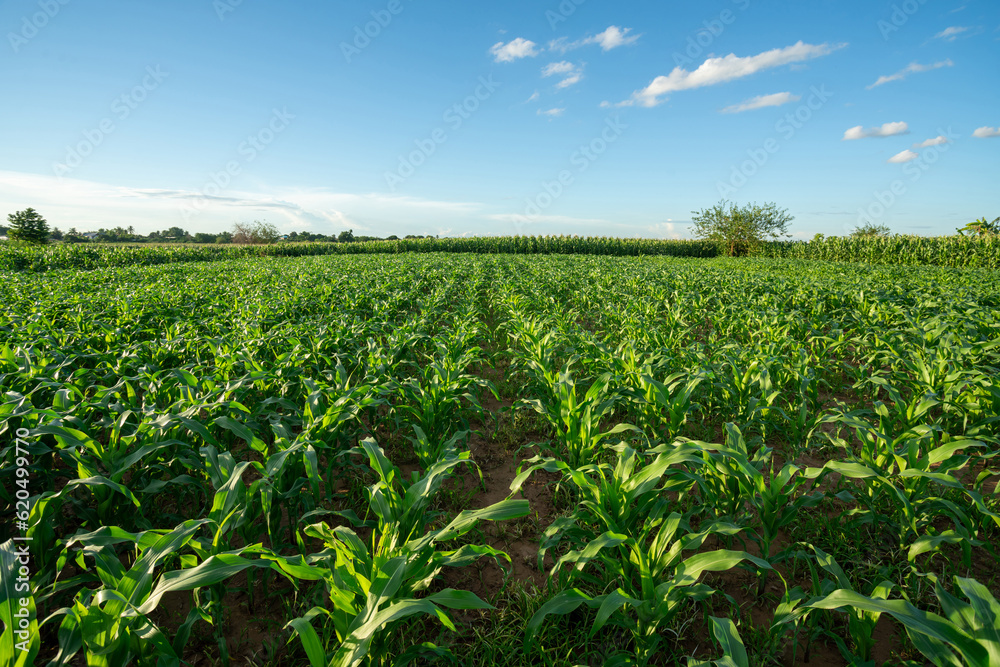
(212,571)
(310,641)
(453,599)
(913,619)
(563,603)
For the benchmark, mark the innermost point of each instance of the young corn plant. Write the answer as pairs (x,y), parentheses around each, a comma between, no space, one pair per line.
(374,587)
(432,402)
(861,622)
(907,483)
(664,406)
(576,419)
(773,500)
(624,530)
(968,635)
(749,394)
(110,622)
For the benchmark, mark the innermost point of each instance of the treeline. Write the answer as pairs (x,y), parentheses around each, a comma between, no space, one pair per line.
(179,235)
(952,251)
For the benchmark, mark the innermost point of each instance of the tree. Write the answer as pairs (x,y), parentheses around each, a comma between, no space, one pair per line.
(255,233)
(175,234)
(739,229)
(870,229)
(346,236)
(28,226)
(981,228)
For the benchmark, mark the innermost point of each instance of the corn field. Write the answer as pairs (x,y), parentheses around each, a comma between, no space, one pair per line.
(949,251)
(499,457)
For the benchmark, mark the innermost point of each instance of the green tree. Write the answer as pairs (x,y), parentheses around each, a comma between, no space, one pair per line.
(28,226)
(870,229)
(255,233)
(981,228)
(346,236)
(738,230)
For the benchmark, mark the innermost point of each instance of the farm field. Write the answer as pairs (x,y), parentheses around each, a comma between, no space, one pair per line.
(503,460)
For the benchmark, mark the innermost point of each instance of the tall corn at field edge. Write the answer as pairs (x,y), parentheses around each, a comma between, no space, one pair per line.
(949,251)
(66,256)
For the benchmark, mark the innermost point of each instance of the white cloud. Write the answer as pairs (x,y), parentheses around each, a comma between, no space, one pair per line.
(951,34)
(558,68)
(762,101)
(720,70)
(665,230)
(904,156)
(614,37)
(611,38)
(887,130)
(534,96)
(912,68)
(88,205)
(551,113)
(570,80)
(514,50)
(936,141)
(571,73)
(987,132)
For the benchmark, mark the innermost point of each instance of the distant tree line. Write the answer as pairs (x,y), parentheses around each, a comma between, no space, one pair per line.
(30,227)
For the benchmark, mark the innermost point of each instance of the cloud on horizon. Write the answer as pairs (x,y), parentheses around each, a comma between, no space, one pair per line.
(88,206)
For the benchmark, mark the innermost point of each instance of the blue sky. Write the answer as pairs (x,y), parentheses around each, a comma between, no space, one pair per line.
(576,117)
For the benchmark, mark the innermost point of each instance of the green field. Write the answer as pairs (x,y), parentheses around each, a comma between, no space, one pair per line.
(508,459)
